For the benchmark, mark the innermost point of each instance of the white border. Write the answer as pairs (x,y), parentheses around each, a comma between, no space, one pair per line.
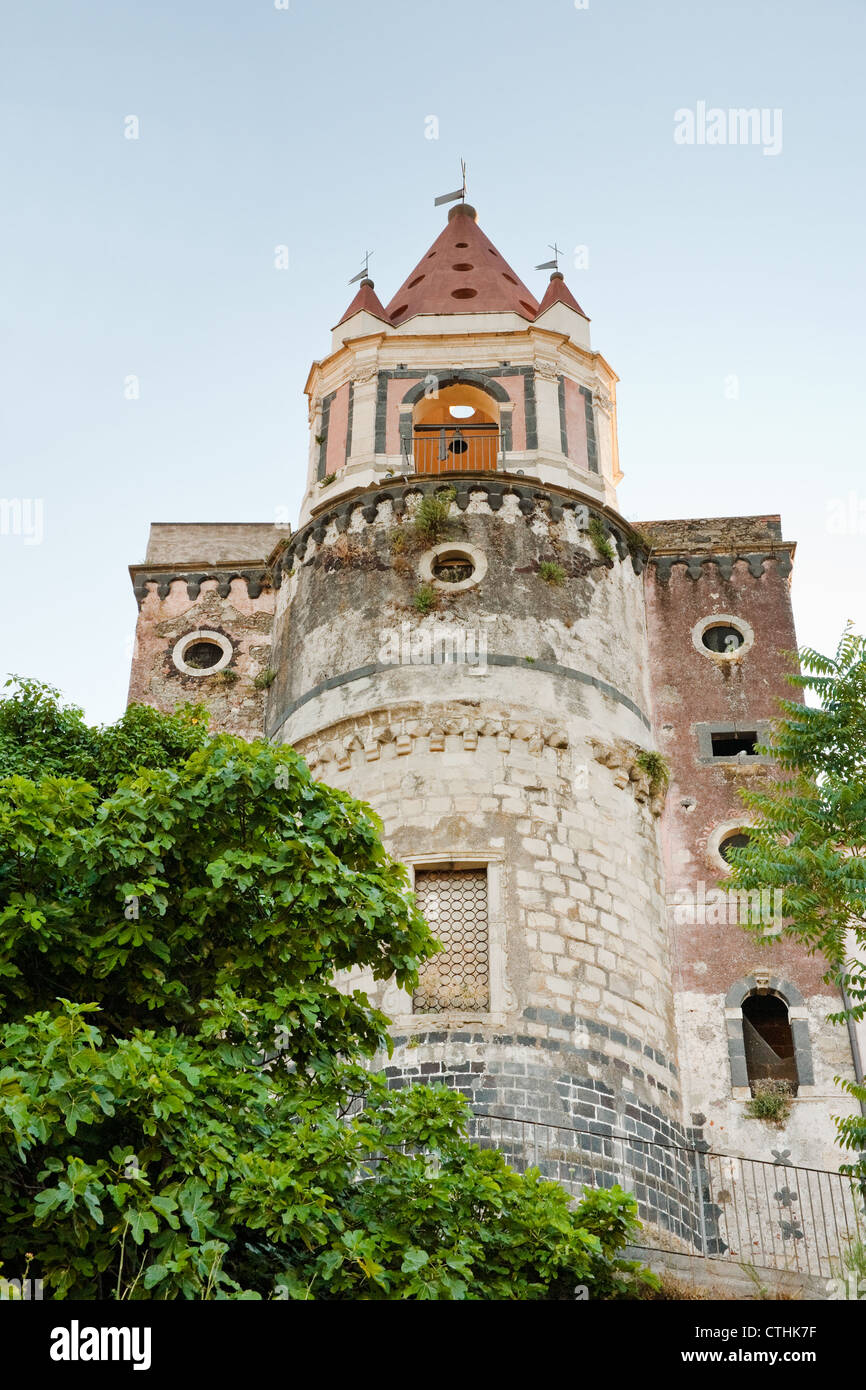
(201,635)
(457,549)
(724,620)
(721,832)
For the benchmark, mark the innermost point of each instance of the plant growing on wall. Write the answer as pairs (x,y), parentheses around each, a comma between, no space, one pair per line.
(551,572)
(771,1102)
(424,598)
(657,769)
(600,539)
(433,518)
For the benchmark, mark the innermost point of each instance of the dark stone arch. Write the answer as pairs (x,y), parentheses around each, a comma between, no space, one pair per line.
(793,999)
(467,378)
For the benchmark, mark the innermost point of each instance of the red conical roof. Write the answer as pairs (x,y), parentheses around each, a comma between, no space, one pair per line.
(557,292)
(462,273)
(367,300)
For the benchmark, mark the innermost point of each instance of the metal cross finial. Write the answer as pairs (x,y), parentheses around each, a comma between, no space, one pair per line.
(365,273)
(554,264)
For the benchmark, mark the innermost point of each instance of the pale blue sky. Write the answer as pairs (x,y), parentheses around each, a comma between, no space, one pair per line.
(306,127)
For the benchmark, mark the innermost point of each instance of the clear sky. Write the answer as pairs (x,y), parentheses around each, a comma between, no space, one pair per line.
(725,285)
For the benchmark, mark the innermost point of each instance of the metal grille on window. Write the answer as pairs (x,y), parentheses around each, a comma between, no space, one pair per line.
(454,902)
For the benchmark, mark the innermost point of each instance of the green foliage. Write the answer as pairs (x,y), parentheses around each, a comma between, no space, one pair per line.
(424,598)
(265,679)
(808,833)
(329,477)
(433,518)
(39,735)
(657,769)
(551,572)
(181,1078)
(771,1101)
(599,537)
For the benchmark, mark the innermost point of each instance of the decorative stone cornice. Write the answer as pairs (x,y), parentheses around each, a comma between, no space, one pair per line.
(255,579)
(362,508)
(695,562)
(408,729)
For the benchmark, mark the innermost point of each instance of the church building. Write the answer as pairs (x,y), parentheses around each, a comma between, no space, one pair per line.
(464,632)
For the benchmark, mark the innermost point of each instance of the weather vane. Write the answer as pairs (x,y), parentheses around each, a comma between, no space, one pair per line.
(365,273)
(460,193)
(554,264)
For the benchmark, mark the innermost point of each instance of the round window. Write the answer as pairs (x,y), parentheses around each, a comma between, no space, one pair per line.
(454,567)
(724,636)
(202,653)
(722,639)
(738,840)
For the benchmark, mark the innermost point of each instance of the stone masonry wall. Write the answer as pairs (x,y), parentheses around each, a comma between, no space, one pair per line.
(528,765)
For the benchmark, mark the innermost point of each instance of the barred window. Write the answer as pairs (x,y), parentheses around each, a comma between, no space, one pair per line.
(454,902)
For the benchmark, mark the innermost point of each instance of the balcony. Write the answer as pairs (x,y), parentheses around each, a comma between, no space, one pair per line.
(454,449)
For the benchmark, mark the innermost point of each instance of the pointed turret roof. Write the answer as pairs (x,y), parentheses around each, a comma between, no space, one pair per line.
(557,292)
(365,301)
(462,273)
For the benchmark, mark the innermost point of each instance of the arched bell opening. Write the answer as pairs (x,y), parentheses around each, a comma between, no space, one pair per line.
(456,430)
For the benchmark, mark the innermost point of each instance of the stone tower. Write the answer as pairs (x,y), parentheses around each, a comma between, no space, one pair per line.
(465,633)
(484,684)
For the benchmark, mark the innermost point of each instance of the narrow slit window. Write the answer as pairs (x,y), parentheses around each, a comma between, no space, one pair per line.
(454,902)
(769,1041)
(731,745)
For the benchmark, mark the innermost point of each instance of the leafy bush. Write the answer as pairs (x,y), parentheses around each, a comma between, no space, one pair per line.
(185,1111)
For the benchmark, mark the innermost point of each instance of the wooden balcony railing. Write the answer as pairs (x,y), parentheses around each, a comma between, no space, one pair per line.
(443,449)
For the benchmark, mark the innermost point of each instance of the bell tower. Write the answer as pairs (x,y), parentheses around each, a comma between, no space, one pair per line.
(463,372)
(460,641)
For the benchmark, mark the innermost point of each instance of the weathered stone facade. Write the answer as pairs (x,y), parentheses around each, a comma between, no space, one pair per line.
(502,716)
(209,579)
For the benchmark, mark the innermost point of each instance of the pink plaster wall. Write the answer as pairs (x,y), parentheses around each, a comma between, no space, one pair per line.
(237,707)
(575,423)
(338,423)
